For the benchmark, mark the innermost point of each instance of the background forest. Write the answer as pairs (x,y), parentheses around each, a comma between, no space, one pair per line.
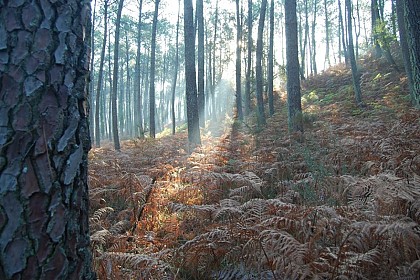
(123,76)
(325,188)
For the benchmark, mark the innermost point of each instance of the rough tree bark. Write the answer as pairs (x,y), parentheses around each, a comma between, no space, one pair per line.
(44,140)
(412,26)
(92,76)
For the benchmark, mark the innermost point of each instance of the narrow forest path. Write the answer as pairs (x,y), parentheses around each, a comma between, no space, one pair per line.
(255,204)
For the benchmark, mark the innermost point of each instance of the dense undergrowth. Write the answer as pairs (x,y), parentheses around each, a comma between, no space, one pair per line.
(256,204)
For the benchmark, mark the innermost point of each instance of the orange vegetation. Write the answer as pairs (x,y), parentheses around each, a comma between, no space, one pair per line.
(256,204)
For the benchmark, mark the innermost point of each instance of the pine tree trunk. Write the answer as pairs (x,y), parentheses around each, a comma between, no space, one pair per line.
(115,78)
(175,71)
(354,70)
(412,23)
(400,7)
(44,140)
(238,63)
(314,68)
(258,68)
(247,99)
(305,35)
(200,58)
(271,62)
(92,76)
(138,119)
(213,90)
(327,36)
(342,33)
(152,102)
(375,18)
(190,82)
(128,124)
(100,77)
(292,68)
(110,123)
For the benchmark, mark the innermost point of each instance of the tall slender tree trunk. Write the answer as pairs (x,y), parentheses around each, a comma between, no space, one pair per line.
(357,28)
(327,60)
(209,84)
(394,17)
(258,68)
(115,78)
(314,68)
(354,70)
(271,62)
(44,140)
(375,20)
(190,83)
(138,119)
(247,99)
(343,33)
(152,101)
(304,44)
(213,93)
(176,64)
(110,121)
(292,68)
(103,117)
(200,58)
(100,77)
(238,63)
(121,102)
(127,103)
(146,103)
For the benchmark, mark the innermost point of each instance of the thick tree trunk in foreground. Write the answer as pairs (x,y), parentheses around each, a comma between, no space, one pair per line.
(412,24)
(44,140)
(292,68)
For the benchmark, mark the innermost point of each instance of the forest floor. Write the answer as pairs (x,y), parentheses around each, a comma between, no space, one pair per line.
(257,204)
